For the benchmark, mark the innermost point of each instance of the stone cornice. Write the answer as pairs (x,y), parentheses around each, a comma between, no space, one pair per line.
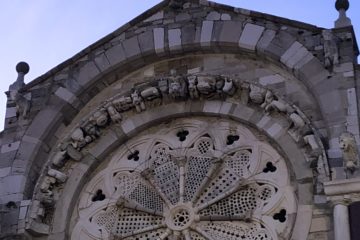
(342,187)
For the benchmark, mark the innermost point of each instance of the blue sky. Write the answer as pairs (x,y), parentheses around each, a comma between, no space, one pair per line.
(45,33)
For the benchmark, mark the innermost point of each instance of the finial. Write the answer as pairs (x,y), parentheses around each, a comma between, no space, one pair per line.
(342,6)
(22,67)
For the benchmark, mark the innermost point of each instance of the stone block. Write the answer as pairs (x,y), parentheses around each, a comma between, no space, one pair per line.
(344,67)
(66,95)
(275,130)
(12,184)
(6,159)
(352,103)
(131,47)
(188,34)
(294,54)
(5,172)
(22,212)
(280,43)
(320,224)
(159,41)
(174,36)
(116,54)
(242,112)
(9,147)
(212,107)
(250,36)
(206,33)
(265,40)
(302,222)
(229,33)
(213,16)
(146,42)
(225,17)
(102,62)
(181,17)
(87,73)
(10,112)
(271,79)
(156,16)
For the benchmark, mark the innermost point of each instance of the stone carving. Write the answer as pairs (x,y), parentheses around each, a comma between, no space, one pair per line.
(331,51)
(349,151)
(193,92)
(206,84)
(58,158)
(257,94)
(123,103)
(297,126)
(100,118)
(177,86)
(163,85)
(47,183)
(22,103)
(137,101)
(59,176)
(78,139)
(150,93)
(314,146)
(115,116)
(229,87)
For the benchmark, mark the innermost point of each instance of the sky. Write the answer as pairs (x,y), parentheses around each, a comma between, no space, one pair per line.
(44,33)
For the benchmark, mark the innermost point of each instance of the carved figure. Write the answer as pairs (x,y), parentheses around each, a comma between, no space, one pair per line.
(349,151)
(331,50)
(269,97)
(47,183)
(91,130)
(228,87)
(206,84)
(59,176)
(297,125)
(176,86)
(22,103)
(59,158)
(193,92)
(115,116)
(257,94)
(100,118)
(123,103)
(163,85)
(78,139)
(137,101)
(150,93)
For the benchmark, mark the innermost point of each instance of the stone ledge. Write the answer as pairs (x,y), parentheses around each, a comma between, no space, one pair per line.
(341,187)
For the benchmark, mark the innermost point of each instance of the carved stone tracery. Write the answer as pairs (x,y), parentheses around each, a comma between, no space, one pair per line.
(193,189)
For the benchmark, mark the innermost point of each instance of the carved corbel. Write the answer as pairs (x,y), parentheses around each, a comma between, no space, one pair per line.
(349,151)
(257,94)
(331,51)
(193,91)
(137,101)
(115,116)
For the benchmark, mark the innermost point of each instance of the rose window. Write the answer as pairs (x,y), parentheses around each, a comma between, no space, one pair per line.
(186,180)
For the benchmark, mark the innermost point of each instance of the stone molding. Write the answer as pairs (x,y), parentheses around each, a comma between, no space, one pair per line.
(123,115)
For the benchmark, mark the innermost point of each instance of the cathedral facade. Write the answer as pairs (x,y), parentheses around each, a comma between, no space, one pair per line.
(195,120)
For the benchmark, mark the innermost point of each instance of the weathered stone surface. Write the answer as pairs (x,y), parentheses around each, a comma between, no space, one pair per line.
(265,40)
(250,36)
(11,112)
(294,54)
(131,47)
(102,62)
(156,16)
(10,147)
(159,40)
(146,42)
(229,33)
(87,73)
(174,39)
(116,54)
(206,33)
(213,16)
(66,95)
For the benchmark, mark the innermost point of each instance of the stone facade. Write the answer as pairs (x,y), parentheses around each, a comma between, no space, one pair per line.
(222,91)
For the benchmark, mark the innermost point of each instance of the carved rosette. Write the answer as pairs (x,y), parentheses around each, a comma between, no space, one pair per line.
(197,178)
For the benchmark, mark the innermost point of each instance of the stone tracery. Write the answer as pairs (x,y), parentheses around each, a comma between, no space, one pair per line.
(192,189)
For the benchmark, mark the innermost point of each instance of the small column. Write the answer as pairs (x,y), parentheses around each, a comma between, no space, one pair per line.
(341,222)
